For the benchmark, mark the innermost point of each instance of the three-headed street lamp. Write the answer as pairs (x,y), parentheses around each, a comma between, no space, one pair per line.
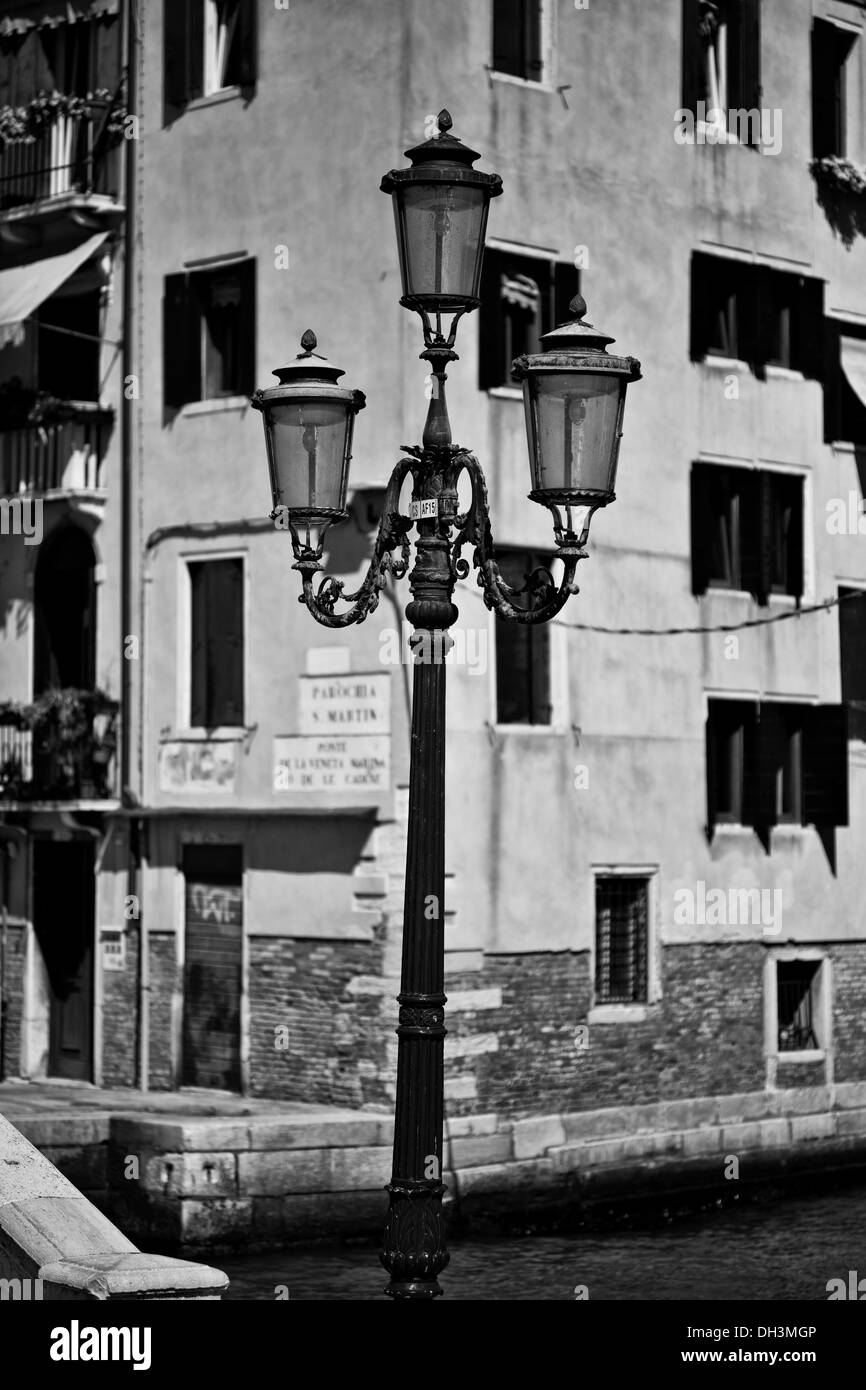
(574,396)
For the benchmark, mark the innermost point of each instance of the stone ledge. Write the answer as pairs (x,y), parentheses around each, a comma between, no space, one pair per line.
(105,1277)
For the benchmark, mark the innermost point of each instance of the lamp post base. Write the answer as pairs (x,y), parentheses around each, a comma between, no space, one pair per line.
(413,1248)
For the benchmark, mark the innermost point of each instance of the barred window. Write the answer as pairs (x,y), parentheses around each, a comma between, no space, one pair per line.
(621,939)
(797,982)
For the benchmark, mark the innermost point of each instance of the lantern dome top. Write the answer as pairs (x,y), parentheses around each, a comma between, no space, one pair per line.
(576,334)
(308,365)
(442,145)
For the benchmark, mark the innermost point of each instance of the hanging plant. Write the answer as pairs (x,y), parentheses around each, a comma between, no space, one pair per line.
(841,189)
(26,123)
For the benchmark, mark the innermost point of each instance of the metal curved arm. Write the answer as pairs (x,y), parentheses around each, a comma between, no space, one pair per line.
(392,533)
(545,598)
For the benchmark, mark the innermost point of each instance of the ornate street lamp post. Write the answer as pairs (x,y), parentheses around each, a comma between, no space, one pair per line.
(574,395)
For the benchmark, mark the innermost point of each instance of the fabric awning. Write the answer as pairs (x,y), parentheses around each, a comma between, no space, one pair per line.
(47,14)
(852,353)
(25,287)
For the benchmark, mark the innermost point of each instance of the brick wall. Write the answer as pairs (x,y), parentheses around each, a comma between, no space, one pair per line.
(336,1041)
(849,1011)
(13,995)
(704,1037)
(120,1017)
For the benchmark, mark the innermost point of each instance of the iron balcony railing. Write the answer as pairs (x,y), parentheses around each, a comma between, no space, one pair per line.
(62,454)
(69,156)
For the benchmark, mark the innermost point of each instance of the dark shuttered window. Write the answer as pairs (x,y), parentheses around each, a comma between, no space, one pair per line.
(208,45)
(522,297)
(517,38)
(522,651)
(775,763)
(721,57)
(747,531)
(831,47)
(217,639)
(209,319)
(621,939)
(757,315)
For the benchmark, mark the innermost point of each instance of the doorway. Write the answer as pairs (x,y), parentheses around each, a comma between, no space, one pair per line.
(63,920)
(212,972)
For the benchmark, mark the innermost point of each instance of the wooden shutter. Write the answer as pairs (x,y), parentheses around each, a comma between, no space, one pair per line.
(226,641)
(181,343)
(825,765)
(751,50)
(694,84)
(711,750)
(852,644)
(700,308)
(807,343)
(106,52)
(824,88)
(765,499)
(199,716)
(703,522)
(792,496)
(491,327)
(532,59)
(247,328)
(248,40)
(175,54)
(764,746)
(508,36)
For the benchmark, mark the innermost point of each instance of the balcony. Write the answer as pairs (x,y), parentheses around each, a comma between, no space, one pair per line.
(77,156)
(60,748)
(61,452)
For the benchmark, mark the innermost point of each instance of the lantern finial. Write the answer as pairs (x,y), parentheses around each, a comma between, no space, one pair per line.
(309,341)
(444,121)
(577,306)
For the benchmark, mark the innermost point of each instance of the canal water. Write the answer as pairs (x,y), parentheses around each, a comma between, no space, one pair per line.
(784,1248)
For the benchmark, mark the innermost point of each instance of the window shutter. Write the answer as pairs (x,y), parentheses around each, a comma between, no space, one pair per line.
(751,50)
(765,738)
(508,36)
(700,308)
(107,52)
(794,488)
(532,39)
(808,345)
(491,327)
(175,45)
(825,765)
(247,345)
(852,643)
(764,498)
(248,39)
(198,713)
(712,763)
(226,641)
(180,343)
(539,673)
(702,524)
(693,57)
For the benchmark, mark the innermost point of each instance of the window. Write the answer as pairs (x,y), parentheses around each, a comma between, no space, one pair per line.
(852,640)
(517,38)
(522,297)
(217,643)
(845,384)
(522,651)
(209,45)
(797,1004)
(831,47)
(722,62)
(755,314)
(621,939)
(209,334)
(747,531)
(69,367)
(774,763)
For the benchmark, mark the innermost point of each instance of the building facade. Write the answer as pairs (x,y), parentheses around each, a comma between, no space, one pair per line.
(654,836)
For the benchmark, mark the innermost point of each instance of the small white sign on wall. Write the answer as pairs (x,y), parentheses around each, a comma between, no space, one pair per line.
(339,704)
(358,763)
(113,941)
